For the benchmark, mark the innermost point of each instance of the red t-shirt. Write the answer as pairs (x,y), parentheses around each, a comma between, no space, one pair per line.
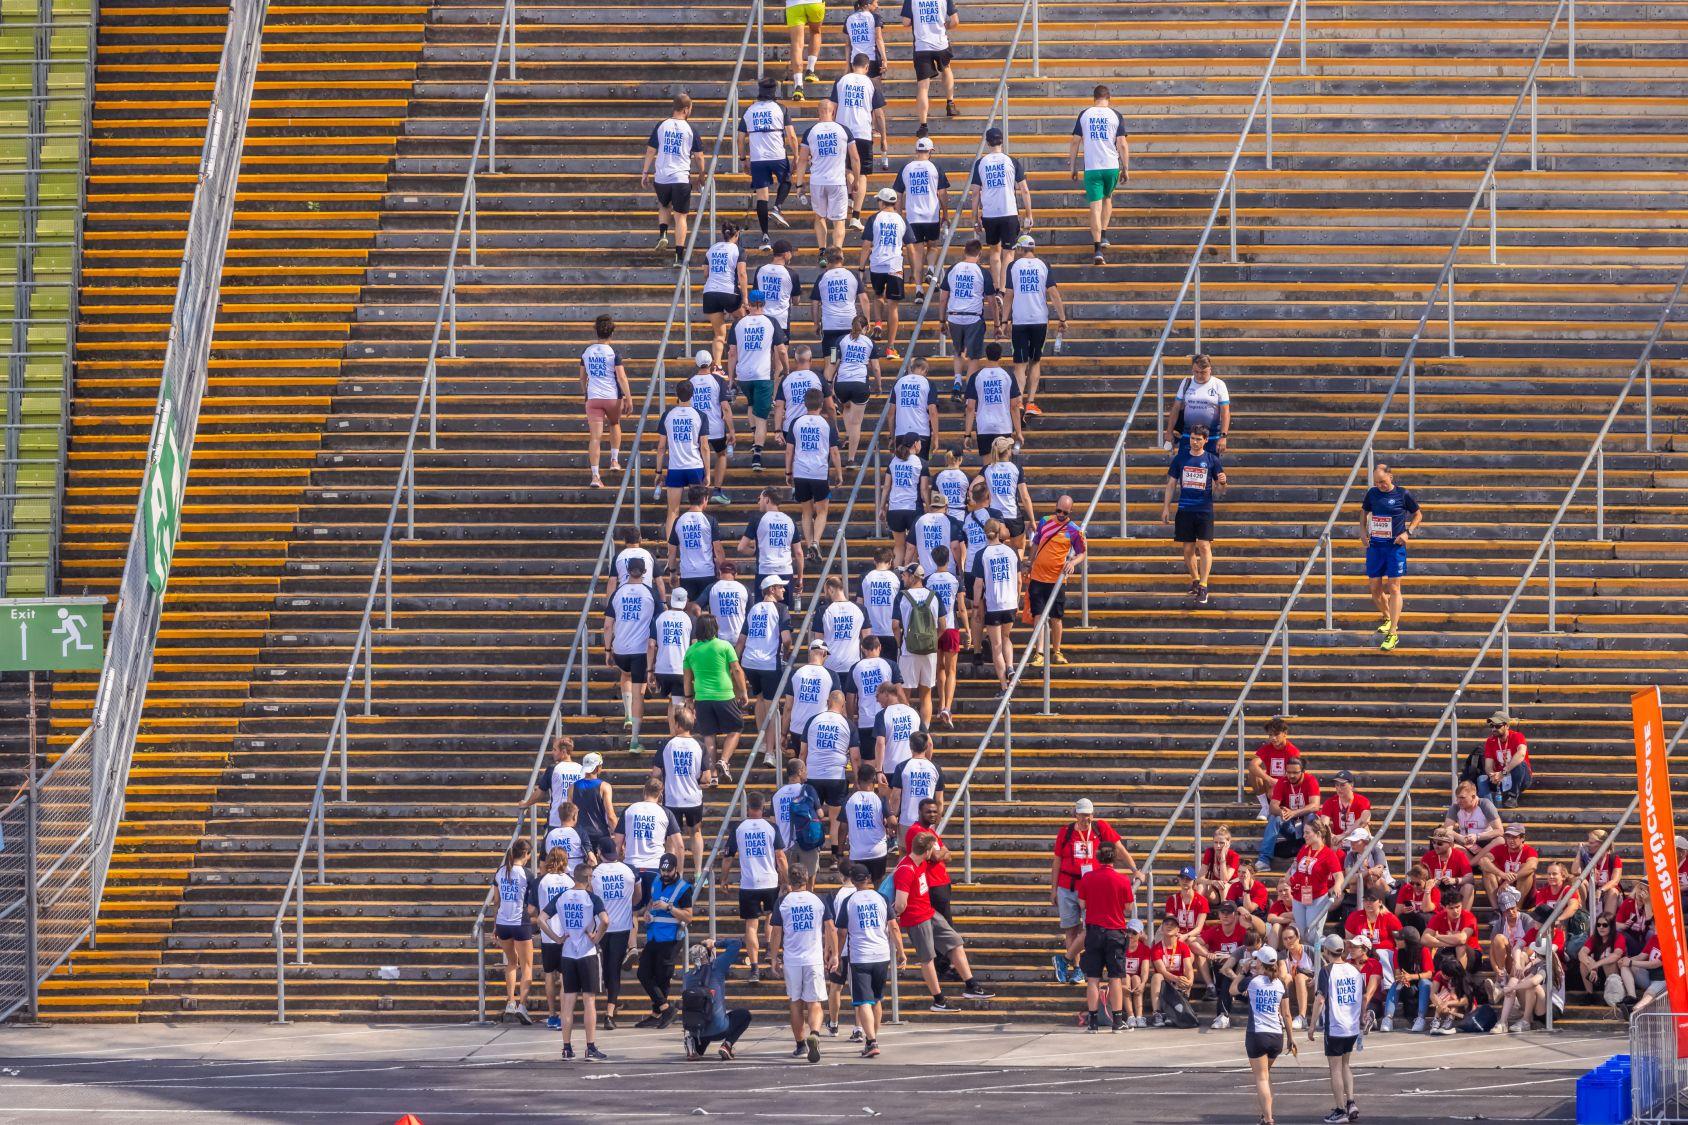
(1314,871)
(1495,758)
(1078,849)
(1175,957)
(1272,758)
(1456,866)
(1298,796)
(1342,819)
(1258,895)
(1281,906)
(1511,861)
(1185,909)
(1629,916)
(1649,948)
(937,875)
(1372,970)
(1137,957)
(1381,930)
(1543,894)
(1107,897)
(1611,866)
(1219,942)
(1410,900)
(1216,870)
(910,879)
(1442,924)
(1534,932)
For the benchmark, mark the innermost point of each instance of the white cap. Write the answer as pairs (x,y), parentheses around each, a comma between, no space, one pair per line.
(924,144)
(704,359)
(1083,806)
(886,195)
(1360,940)
(773,580)
(1266,955)
(1359,836)
(591,763)
(677,598)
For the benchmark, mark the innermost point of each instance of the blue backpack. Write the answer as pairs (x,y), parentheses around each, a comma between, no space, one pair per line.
(807,831)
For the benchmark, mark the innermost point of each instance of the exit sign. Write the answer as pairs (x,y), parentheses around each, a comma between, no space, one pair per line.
(52,634)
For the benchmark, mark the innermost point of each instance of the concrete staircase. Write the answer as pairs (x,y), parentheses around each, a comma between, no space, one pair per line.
(317,365)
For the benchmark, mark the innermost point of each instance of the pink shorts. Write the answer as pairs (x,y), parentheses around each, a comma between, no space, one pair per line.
(949,640)
(609,409)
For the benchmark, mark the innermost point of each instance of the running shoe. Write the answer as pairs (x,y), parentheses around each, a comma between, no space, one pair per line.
(662,241)
(1098,260)
(774,214)
(1221,1022)
(568,1052)
(667,1016)
(943,1006)
(979,992)
(522,1015)
(1385,626)
(855,1034)
(831,1028)
(555,1023)
(755,975)
(725,1054)
(893,355)
(1059,657)
(799,1051)
(1391,641)
(813,1043)
(597,481)
(1106,245)
(1157,1020)
(1037,658)
(755,460)
(870,1050)
(1033,410)
(797,94)
(949,108)
(1059,960)
(609,1022)
(652,1020)
(1353,1111)
(767,244)
(811,77)
(720,497)
(1335,1116)
(855,222)
(1075,977)
(921,130)
(595,1055)
(1201,595)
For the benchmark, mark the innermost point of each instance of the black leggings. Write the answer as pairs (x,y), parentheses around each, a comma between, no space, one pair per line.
(737,1020)
(656,970)
(612,952)
(1222,982)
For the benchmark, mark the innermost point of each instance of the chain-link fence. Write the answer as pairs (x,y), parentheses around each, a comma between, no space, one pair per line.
(1658,1078)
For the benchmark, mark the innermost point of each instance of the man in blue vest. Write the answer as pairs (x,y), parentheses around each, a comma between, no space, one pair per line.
(667,910)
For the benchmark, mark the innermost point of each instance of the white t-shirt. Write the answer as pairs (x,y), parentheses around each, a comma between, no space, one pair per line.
(1001,569)
(632,610)
(856,96)
(764,123)
(681,759)
(945,585)
(755,842)
(784,797)
(808,686)
(511,884)
(683,427)
(614,883)
(896,723)
(574,914)
(919,779)
(762,628)
(1029,281)
(931,19)
(775,534)
(753,336)
(1265,1015)
(995,175)
(1003,478)
(729,601)
(864,817)
(1345,992)
(836,291)
(992,392)
(829,154)
(913,394)
(673,632)
(865,678)
(828,743)
(953,484)
(973,531)
(777,284)
(879,593)
(919,183)
(863,915)
(842,626)
(569,840)
(565,774)
(600,362)
(551,887)
(795,388)
(709,393)
(1202,402)
(646,826)
(931,531)
(695,534)
(968,286)
(813,438)
(852,353)
(723,259)
(674,141)
(628,553)
(905,474)
(799,916)
(886,233)
(1100,127)
(862,28)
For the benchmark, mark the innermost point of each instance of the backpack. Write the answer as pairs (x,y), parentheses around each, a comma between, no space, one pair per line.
(1175,1009)
(694,1009)
(920,637)
(807,831)
(888,887)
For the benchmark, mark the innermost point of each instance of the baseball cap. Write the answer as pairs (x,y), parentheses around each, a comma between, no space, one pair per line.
(1344,775)
(773,580)
(1499,718)
(914,570)
(1266,955)
(1083,806)
(924,144)
(1025,242)
(703,358)
(1514,829)
(592,763)
(1332,944)
(677,598)
(1360,836)
(818,645)
(668,862)
(1227,907)
(1135,925)
(886,195)
(1186,872)
(766,85)
(1361,940)
(993,136)
(1682,843)
(758,297)
(858,872)
(1509,898)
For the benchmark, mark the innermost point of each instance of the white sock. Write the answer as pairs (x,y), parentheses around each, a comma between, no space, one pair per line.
(813,59)
(1264,807)
(627,702)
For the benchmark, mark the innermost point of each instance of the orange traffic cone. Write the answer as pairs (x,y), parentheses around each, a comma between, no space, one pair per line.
(408,1119)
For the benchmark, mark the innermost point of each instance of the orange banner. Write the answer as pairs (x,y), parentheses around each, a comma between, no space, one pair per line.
(1658,849)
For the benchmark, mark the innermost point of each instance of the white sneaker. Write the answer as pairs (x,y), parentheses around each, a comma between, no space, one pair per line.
(855,223)
(1221,1022)
(1418,1026)
(1388,1024)
(1298,1023)
(1520,1027)
(1447,1028)
(1141,1022)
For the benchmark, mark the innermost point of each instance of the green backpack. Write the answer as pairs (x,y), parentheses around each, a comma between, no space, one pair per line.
(920,637)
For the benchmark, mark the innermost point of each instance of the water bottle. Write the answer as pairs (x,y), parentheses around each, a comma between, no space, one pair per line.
(884,162)
(1060,344)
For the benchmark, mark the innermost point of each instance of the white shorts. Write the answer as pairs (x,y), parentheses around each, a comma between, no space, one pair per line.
(805,984)
(918,671)
(830,201)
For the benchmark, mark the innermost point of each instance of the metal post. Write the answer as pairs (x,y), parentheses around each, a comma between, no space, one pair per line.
(878,495)
(712,934)
(434,393)
(389,578)
(492,128)
(510,14)
(1269,124)
(1084,579)
(1324,546)
(368,668)
(345,751)
(1043,642)
(1453,751)
(1647,402)
(1506,667)
(1232,191)
(1371,454)
(1571,38)
(1534,125)
(1160,395)
(1242,752)
(1037,41)
(31,904)
(1552,584)
(410,494)
(761,53)
(1600,491)
(1008,754)
(1196,822)
(896,992)
(1198,340)
(1124,531)
(1407,827)
(732,115)
(1494,248)
(967,834)
(1412,402)
(299,918)
(1285,650)
(321,844)
(1303,7)
(451,305)
(480,967)
(1451,301)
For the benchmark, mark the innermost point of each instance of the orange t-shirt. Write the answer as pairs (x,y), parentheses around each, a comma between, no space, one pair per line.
(1051,548)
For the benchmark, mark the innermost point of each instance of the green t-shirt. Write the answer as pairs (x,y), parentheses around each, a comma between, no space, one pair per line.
(711,663)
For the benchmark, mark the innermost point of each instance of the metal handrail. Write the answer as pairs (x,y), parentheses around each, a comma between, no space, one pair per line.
(1544,943)
(1002,718)
(1280,628)
(632,473)
(445,321)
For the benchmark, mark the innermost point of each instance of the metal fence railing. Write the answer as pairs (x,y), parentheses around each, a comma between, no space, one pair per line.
(1658,1078)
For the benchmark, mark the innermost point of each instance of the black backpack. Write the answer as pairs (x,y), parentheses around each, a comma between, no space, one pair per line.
(694,1009)
(1175,1009)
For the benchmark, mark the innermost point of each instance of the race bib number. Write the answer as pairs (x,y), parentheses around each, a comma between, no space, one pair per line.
(1381,527)
(1195,476)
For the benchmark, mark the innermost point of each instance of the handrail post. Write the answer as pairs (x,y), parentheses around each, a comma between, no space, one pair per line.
(1494,248)
(1453,750)
(434,390)
(389,585)
(1552,583)
(1325,546)
(474,223)
(1412,402)
(345,751)
(1302,9)
(409,468)
(1008,754)
(1196,822)
(1600,491)
(510,14)
(1571,38)
(1407,826)
(1232,192)
(1452,300)
(1037,41)
(1647,403)
(1242,752)
(1043,642)
(1535,127)
(967,833)
(761,51)
(492,129)
(1284,636)
(878,493)
(1084,580)
(322,842)
(1506,667)
(280,975)
(451,301)
(1197,318)
(1160,393)
(1124,531)
(1269,124)
(368,668)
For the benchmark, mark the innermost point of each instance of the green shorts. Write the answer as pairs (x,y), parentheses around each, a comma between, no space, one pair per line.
(1100,183)
(799,15)
(760,392)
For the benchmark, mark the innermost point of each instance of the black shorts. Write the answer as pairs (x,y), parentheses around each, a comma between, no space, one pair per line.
(721,303)
(676,197)
(1189,526)
(671,684)
(830,338)
(867,982)
(580,974)
(840,975)
(718,445)
(875,867)
(901,519)
(689,816)
(887,285)
(782,336)
(1028,341)
(766,173)
(929,64)
(867,744)
(551,953)
(876,68)
(925,232)
(1338,1045)
(754,904)
(849,394)
(697,587)
(519,932)
(999,617)
(1261,1045)
(1015,527)
(1001,231)
(1104,952)
(985,441)
(831,790)
(804,490)
(888,648)
(763,682)
(864,150)
(718,716)
(637,665)
(1039,593)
